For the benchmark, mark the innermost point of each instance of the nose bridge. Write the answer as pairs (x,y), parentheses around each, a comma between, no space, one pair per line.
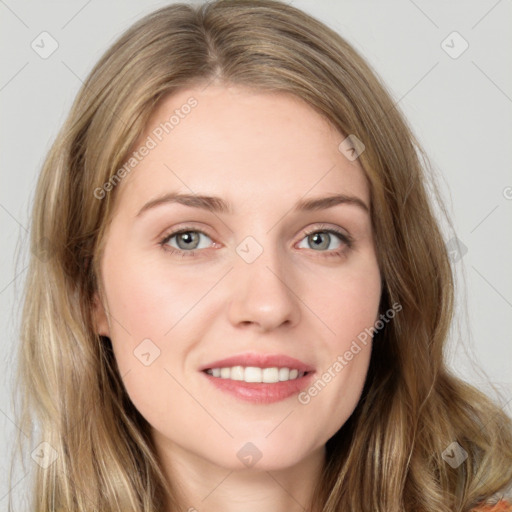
(262,290)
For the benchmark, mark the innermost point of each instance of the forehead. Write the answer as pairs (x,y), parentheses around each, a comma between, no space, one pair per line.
(253,148)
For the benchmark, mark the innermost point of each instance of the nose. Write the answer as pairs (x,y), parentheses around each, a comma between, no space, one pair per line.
(263,292)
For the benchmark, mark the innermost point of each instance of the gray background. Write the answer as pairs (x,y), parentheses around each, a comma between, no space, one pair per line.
(459,106)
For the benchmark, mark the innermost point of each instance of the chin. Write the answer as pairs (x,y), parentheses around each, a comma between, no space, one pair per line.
(261,455)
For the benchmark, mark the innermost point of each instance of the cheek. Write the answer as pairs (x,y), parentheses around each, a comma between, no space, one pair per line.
(155,310)
(147,299)
(348,308)
(346,303)
(143,310)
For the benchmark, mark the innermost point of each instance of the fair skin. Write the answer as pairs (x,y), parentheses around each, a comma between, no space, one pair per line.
(262,153)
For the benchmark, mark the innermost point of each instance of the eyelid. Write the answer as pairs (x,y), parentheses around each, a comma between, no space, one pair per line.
(164,238)
(322,227)
(183,229)
(345,238)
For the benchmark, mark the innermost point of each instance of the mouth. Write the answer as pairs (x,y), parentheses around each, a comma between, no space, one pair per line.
(253,374)
(259,378)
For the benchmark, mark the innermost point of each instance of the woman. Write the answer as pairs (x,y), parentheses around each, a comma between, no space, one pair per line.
(290,357)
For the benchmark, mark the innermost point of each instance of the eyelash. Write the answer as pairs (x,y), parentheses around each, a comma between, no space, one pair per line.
(346,239)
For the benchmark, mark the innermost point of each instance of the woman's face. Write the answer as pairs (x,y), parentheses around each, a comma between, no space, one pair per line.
(259,276)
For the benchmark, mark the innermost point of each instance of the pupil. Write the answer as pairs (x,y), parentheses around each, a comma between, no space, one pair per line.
(188,237)
(318,241)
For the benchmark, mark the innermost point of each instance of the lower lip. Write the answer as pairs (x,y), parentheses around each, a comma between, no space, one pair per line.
(261,392)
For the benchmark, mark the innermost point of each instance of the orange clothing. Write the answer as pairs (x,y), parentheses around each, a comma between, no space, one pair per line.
(501,506)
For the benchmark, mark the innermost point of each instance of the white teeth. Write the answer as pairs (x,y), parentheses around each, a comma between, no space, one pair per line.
(284,373)
(237,373)
(252,374)
(270,375)
(255,374)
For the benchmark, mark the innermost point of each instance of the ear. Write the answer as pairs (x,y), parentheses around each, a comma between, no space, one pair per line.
(101,324)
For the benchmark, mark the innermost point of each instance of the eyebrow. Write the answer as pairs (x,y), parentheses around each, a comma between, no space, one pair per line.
(218,205)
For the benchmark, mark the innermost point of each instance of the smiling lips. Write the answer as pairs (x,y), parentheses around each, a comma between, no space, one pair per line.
(259,378)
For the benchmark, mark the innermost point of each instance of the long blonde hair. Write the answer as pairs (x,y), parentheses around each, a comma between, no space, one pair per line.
(388,456)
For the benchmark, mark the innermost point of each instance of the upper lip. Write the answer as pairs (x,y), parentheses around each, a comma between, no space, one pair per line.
(260,361)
